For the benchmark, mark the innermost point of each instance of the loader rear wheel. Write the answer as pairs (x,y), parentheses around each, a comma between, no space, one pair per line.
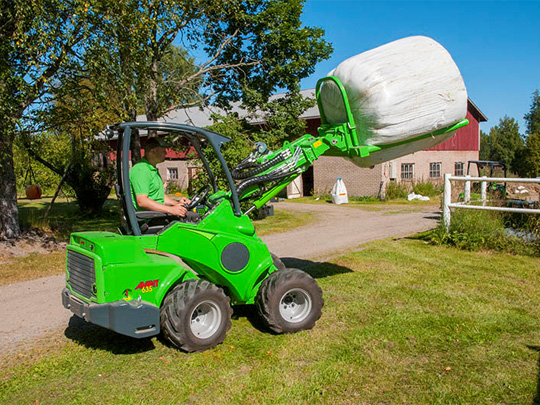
(290,300)
(196,315)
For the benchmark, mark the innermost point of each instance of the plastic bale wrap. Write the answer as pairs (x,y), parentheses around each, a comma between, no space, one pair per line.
(398,92)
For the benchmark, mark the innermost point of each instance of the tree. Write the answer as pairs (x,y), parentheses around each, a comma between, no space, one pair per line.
(251,46)
(532,118)
(532,155)
(244,48)
(506,142)
(35,40)
(77,118)
(485,146)
(532,145)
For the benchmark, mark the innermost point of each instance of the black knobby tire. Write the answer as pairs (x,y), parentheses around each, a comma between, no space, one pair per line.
(277,262)
(195,315)
(290,300)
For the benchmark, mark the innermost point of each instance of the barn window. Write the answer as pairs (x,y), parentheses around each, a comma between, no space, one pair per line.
(407,171)
(172,173)
(458,168)
(435,169)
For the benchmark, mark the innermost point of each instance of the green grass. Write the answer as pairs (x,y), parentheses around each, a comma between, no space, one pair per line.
(282,221)
(17,269)
(373,204)
(65,217)
(362,202)
(404,321)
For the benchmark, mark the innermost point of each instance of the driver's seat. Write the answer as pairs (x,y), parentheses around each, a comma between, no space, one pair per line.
(151,222)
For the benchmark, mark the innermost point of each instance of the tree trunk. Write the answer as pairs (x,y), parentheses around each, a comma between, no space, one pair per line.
(9,212)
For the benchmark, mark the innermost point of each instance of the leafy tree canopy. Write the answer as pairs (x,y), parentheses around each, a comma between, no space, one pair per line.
(485,146)
(36,38)
(532,118)
(506,143)
(532,155)
(532,149)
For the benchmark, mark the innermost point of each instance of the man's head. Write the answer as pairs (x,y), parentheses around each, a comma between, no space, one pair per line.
(155,151)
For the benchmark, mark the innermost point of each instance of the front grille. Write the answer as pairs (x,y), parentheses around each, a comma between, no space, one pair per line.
(82,273)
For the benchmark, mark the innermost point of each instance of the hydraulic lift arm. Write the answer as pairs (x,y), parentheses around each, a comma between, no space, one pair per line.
(263,174)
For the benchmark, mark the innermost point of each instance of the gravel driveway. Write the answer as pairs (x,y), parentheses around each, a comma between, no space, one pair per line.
(33,309)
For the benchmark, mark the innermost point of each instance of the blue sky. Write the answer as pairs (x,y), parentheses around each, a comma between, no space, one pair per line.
(496,44)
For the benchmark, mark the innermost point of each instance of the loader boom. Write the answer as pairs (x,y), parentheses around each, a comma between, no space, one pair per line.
(263,174)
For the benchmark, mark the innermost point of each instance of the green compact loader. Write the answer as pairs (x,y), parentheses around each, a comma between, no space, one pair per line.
(162,274)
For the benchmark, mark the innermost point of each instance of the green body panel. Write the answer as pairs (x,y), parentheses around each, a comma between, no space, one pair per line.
(194,251)
(122,263)
(201,247)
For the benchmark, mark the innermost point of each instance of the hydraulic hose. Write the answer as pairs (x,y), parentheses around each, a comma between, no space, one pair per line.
(261,179)
(238,173)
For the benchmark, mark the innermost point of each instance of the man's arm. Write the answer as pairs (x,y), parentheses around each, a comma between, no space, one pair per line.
(177,209)
(170,201)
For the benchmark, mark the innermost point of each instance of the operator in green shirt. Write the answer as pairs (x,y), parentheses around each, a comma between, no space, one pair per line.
(146,184)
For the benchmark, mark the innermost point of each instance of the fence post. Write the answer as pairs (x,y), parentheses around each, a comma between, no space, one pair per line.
(483,191)
(467,191)
(447,197)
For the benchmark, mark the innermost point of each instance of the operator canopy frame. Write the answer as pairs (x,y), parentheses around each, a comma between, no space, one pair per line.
(196,136)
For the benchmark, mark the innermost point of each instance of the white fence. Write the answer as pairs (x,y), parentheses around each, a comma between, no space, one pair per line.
(447,197)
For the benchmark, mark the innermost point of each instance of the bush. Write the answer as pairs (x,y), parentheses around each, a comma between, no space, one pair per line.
(395,190)
(428,189)
(481,230)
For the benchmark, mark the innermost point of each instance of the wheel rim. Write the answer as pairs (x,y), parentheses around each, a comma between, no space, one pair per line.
(295,305)
(205,319)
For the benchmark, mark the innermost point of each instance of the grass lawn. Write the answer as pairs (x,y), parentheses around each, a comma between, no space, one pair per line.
(403,322)
(17,269)
(282,221)
(65,217)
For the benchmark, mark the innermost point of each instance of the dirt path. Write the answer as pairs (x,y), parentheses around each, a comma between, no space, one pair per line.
(342,228)
(33,309)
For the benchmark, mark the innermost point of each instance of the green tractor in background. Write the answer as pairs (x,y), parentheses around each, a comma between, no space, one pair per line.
(165,275)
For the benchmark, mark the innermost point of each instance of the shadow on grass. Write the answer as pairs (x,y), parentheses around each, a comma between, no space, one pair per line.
(536,399)
(252,315)
(96,337)
(315,269)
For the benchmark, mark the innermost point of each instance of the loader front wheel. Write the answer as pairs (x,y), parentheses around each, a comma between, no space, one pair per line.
(290,300)
(196,315)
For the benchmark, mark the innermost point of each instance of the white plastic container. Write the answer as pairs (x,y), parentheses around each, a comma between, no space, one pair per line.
(339,192)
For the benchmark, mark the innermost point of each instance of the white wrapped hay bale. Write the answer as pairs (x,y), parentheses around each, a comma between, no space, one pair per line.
(397,92)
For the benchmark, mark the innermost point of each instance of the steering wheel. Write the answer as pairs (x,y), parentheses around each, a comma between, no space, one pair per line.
(199,197)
